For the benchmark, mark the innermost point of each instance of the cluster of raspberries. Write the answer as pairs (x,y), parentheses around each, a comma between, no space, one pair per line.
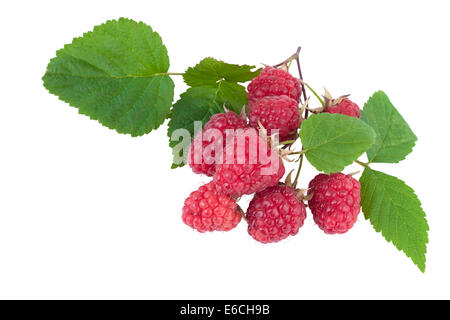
(241,161)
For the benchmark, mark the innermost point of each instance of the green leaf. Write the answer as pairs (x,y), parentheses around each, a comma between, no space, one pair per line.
(196,104)
(200,103)
(210,71)
(333,141)
(116,74)
(395,139)
(214,85)
(233,95)
(394,209)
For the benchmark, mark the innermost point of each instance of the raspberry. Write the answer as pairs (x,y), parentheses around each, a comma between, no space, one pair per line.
(199,159)
(276,113)
(346,107)
(207,210)
(248,165)
(275,214)
(273,82)
(335,202)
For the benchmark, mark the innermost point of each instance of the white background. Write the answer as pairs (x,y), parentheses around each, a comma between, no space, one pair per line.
(88,213)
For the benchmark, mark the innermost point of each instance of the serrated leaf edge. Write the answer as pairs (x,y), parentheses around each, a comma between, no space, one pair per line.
(220,78)
(88,34)
(413,141)
(336,168)
(367,217)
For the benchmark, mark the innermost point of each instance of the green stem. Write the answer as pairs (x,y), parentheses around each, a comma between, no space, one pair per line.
(299,169)
(289,64)
(317,96)
(242,213)
(298,152)
(363,164)
(287,142)
(129,76)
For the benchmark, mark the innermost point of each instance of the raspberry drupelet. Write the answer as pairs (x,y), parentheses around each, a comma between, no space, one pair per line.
(199,158)
(335,202)
(208,210)
(273,82)
(275,214)
(279,113)
(346,107)
(248,165)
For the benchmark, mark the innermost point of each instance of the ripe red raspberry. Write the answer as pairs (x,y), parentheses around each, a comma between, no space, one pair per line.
(335,203)
(199,157)
(275,214)
(248,165)
(346,107)
(207,210)
(273,82)
(275,113)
